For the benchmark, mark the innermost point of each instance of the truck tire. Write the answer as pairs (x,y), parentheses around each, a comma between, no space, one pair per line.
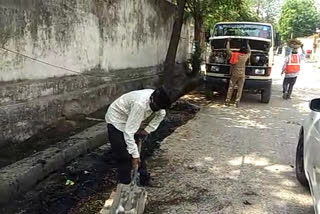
(266,95)
(300,173)
(209,93)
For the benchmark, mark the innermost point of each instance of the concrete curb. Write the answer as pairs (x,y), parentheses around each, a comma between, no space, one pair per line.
(21,176)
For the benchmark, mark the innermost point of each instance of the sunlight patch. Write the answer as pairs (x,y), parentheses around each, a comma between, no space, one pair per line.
(236,161)
(277,168)
(208,158)
(250,124)
(288,183)
(256,161)
(250,159)
(293,197)
(198,164)
(302,107)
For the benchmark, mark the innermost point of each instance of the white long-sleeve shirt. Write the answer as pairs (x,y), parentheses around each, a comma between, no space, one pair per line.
(128,112)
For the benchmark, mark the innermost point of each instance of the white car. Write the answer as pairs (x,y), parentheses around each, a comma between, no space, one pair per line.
(308,154)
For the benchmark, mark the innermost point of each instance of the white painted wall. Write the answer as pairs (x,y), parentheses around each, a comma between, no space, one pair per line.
(117,36)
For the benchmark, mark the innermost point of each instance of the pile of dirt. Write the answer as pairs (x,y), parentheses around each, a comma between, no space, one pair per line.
(84,185)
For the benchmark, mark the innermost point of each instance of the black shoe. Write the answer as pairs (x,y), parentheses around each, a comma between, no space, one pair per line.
(285,96)
(144,179)
(288,95)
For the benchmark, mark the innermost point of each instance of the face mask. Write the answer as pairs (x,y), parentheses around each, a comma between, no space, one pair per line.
(159,99)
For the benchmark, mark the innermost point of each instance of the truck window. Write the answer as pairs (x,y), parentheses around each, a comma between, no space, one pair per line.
(250,30)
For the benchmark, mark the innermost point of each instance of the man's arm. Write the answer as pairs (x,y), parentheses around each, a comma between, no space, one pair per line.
(248,49)
(155,122)
(284,65)
(229,52)
(248,53)
(133,124)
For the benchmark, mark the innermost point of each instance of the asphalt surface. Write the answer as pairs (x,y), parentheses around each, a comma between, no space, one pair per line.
(237,160)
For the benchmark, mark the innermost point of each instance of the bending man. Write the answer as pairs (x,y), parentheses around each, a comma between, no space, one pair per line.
(124,118)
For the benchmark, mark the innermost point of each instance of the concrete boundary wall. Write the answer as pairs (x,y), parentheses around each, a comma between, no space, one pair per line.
(119,46)
(21,120)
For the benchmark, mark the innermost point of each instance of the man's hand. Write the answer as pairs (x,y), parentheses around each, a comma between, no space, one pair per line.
(140,135)
(135,163)
(142,132)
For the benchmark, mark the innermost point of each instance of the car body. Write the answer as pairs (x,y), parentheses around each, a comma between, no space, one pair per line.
(258,70)
(308,154)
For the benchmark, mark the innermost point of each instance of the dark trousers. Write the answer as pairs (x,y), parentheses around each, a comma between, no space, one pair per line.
(123,158)
(288,84)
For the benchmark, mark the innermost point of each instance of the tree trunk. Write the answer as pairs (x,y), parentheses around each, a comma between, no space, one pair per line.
(175,38)
(258,9)
(196,28)
(198,23)
(178,82)
(198,37)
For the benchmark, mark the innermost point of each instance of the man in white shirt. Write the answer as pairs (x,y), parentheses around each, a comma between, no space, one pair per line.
(124,118)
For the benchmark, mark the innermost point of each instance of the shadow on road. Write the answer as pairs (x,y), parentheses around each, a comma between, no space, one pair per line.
(237,160)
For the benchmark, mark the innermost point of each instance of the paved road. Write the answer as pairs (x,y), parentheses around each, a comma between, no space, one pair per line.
(230,160)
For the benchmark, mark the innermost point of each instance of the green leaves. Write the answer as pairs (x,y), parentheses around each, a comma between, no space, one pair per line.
(298,18)
(214,11)
(266,10)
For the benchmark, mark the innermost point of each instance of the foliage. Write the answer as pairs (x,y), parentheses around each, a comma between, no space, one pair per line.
(266,10)
(214,11)
(206,13)
(298,18)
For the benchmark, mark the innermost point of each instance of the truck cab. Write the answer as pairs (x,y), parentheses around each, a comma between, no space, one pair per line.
(259,66)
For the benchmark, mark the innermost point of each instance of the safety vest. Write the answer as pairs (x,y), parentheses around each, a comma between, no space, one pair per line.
(234,57)
(293,65)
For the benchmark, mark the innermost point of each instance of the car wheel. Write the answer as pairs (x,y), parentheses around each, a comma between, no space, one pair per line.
(300,173)
(266,95)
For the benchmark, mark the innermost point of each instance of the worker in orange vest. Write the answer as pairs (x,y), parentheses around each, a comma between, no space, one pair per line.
(291,70)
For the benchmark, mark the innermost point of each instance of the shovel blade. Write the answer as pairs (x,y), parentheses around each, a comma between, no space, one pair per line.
(128,199)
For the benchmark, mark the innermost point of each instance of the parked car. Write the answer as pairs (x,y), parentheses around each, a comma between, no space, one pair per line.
(308,154)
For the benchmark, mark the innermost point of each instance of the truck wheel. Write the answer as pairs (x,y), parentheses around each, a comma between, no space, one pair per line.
(266,95)
(300,173)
